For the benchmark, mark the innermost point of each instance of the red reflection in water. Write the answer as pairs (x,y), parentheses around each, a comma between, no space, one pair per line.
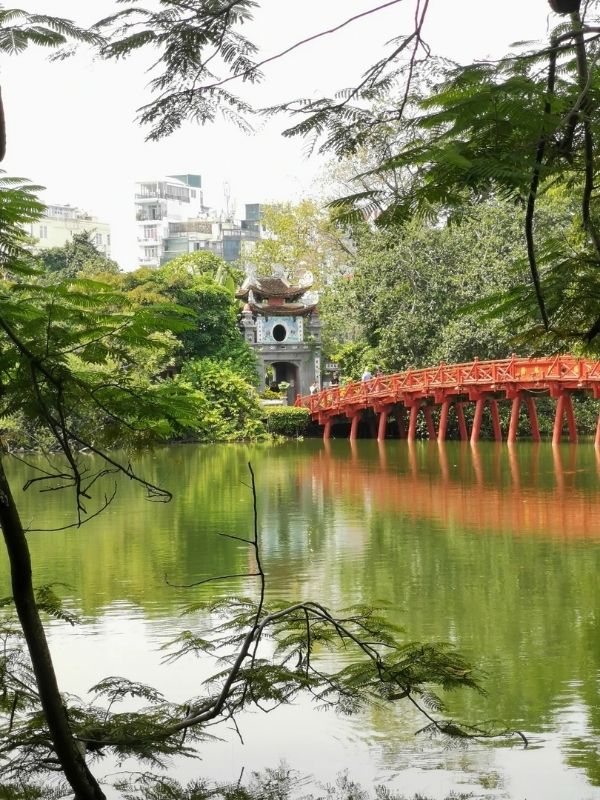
(501,493)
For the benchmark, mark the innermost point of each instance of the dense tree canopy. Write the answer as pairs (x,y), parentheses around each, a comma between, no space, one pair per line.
(300,237)
(413,294)
(80,257)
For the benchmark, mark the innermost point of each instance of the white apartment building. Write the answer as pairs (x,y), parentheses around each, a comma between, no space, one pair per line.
(59,223)
(172,220)
(159,204)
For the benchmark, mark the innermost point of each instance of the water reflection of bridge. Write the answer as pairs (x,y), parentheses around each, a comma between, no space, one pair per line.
(459,486)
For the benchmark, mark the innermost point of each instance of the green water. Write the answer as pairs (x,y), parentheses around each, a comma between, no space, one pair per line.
(494,549)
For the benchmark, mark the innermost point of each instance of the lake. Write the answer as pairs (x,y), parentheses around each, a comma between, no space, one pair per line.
(494,549)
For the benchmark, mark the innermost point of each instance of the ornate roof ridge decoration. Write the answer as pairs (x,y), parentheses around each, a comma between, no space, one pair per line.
(270,286)
(289,309)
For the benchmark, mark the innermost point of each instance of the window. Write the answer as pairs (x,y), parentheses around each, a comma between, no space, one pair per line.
(151,252)
(279,333)
(150,232)
(43,231)
(108,239)
(193,192)
(98,239)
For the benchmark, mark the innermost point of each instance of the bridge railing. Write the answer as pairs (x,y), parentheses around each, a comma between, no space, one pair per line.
(456,377)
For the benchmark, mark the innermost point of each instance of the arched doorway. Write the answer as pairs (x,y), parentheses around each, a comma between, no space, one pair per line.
(287,372)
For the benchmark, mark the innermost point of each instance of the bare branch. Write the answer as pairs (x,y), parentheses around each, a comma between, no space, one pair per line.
(252,70)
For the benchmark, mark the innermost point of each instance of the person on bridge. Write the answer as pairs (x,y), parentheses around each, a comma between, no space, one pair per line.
(366,376)
(313,388)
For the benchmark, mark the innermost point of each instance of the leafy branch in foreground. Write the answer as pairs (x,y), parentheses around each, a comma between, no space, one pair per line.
(201,51)
(19,29)
(65,349)
(269,653)
(521,129)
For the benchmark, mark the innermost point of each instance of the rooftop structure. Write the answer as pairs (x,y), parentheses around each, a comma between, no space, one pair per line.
(159,203)
(59,223)
(172,221)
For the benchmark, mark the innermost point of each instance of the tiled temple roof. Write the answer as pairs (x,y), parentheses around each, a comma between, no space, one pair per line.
(283,310)
(269,286)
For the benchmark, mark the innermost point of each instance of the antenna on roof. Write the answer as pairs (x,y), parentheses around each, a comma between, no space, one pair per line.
(227,193)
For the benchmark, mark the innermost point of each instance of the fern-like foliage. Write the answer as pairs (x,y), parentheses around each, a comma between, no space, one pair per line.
(199,44)
(19,206)
(515,130)
(19,29)
(268,657)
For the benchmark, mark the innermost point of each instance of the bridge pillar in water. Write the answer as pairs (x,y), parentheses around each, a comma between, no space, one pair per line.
(480,403)
(514,418)
(327,430)
(462,423)
(383,417)
(354,416)
(412,422)
(476,429)
(564,406)
(495,420)
(444,410)
(533,420)
(517,399)
(445,406)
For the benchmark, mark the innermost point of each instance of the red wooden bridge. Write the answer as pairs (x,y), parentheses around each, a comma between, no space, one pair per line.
(452,386)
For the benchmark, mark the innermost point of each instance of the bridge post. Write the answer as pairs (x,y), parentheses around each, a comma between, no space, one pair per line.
(462,423)
(445,408)
(383,418)
(475,431)
(564,406)
(327,431)
(571,419)
(558,419)
(383,415)
(533,419)
(496,420)
(429,422)
(514,419)
(597,439)
(412,422)
(355,417)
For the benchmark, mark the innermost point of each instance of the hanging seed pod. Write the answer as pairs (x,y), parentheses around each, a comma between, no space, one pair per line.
(565,6)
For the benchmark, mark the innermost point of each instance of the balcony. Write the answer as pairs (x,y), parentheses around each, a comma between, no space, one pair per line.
(150,215)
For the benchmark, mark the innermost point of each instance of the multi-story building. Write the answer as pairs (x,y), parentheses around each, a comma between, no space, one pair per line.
(158,205)
(59,223)
(172,221)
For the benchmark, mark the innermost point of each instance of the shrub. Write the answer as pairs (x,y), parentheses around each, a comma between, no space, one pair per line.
(232,408)
(287,420)
(269,395)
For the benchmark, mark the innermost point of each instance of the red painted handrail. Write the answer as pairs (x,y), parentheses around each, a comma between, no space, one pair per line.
(506,375)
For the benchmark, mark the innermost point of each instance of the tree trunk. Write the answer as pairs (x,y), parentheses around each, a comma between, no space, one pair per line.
(67,750)
(2,130)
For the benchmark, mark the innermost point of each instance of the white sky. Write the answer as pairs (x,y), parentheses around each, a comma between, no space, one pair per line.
(71,125)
